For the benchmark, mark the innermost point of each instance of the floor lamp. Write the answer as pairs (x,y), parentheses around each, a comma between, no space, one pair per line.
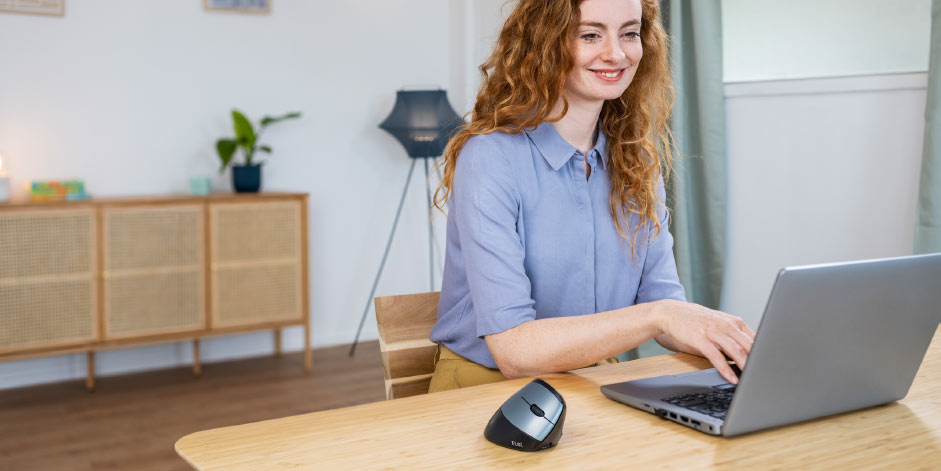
(422,120)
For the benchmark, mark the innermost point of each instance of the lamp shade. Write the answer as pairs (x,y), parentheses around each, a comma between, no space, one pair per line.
(422,120)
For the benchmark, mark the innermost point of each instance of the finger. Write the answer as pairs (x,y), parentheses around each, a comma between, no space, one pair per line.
(743,340)
(745,328)
(729,347)
(741,333)
(732,349)
(715,357)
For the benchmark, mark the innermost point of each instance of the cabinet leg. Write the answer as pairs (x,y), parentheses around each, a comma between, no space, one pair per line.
(308,357)
(277,343)
(197,366)
(90,378)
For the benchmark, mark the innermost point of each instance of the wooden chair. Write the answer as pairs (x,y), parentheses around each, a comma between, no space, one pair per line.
(408,356)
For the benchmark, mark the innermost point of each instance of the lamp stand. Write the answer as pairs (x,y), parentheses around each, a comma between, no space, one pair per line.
(385,255)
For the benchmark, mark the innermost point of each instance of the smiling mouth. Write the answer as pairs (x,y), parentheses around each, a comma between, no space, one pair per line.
(609,75)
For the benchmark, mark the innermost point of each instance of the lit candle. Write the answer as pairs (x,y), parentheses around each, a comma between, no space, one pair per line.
(4,184)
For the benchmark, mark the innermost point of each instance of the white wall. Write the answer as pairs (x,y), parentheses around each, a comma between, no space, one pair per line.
(774,39)
(476,24)
(131,96)
(820,170)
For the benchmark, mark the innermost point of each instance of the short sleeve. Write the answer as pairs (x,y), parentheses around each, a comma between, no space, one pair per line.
(486,207)
(659,279)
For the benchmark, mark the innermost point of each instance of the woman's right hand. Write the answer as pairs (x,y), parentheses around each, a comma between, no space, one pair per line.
(696,329)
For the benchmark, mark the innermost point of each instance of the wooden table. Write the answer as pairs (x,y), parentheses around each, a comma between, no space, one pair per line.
(445,431)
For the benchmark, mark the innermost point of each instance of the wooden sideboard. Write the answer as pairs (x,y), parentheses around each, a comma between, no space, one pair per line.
(117,272)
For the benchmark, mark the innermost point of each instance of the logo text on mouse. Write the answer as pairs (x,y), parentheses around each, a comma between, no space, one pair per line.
(519,444)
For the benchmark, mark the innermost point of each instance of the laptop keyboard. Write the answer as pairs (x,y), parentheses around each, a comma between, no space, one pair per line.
(714,403)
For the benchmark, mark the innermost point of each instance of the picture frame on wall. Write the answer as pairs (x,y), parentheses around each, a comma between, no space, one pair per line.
(34,7)
(239,6)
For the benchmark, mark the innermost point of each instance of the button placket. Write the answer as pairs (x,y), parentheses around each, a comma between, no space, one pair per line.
(590,262)
(586,213)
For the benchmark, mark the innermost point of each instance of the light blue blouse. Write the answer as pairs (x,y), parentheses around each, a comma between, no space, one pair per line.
(529,237)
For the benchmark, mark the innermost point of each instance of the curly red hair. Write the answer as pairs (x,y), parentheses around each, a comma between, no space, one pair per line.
(525,77)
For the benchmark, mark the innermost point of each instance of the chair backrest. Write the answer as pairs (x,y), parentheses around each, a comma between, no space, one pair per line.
(408,356)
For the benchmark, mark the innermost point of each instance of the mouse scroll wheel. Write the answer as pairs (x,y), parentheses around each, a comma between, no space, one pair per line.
(536,410)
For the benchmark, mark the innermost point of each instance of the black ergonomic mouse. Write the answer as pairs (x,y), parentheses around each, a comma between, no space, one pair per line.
(530,420)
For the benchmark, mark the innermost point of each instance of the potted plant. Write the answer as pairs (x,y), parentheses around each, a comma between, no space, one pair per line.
(247,178)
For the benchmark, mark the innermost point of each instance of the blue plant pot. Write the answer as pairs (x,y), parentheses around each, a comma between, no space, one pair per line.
(246,179)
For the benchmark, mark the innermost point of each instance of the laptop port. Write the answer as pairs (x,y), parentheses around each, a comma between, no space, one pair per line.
(694,422)
(672,415)
(684,419)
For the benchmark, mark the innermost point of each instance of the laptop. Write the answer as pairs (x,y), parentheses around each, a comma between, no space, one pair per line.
(834,338)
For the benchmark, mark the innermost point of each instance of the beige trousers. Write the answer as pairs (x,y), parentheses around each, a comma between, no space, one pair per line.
(453,371)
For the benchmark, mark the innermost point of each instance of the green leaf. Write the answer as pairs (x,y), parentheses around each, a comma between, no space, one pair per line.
(226,149)
(244,132)
(274,119)
(265,148)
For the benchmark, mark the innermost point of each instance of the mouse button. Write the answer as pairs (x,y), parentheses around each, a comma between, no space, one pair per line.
(553,414)
(548,387)
(534,393)
(515,400)
(536,410)
(545,400)
(518,413)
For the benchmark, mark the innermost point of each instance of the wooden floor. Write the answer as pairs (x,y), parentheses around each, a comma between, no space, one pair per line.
(132,421)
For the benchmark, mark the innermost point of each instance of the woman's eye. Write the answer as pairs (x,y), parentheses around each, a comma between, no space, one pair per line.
(590,37)
(632,36)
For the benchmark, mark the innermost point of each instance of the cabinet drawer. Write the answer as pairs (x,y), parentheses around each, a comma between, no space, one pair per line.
(256,262)
(47,278)
(154,260)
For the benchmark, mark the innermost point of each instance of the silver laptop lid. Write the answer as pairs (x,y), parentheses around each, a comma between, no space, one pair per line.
(836,338)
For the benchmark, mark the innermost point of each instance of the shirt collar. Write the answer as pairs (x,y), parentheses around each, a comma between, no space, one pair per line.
(557,151)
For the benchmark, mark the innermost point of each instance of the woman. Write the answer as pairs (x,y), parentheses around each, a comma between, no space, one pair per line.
(558,252)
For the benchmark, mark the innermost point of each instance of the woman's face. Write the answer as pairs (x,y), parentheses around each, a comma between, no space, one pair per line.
(607,50)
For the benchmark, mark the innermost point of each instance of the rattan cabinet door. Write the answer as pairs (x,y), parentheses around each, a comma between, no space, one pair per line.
(255,252)
(154,260)
(47,278)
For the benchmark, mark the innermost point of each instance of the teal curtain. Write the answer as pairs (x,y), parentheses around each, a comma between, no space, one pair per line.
(697,192)
(928,215)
